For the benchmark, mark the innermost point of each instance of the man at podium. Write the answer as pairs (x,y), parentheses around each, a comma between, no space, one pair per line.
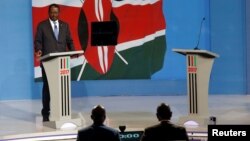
(53,35)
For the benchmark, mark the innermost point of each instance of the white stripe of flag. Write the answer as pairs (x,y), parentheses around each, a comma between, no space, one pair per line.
(79,3)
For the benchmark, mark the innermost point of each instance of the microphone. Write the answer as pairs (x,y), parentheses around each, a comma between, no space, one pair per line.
(196,48)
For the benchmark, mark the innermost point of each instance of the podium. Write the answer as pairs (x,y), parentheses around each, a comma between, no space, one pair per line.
(57,69)
(199,64)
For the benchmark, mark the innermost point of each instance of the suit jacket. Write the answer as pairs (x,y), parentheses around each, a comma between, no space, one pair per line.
(165,131)
(45,39)
(98,133)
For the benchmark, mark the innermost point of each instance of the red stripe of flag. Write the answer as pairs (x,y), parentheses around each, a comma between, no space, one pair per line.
(64,63)
(192,60)
(136,21)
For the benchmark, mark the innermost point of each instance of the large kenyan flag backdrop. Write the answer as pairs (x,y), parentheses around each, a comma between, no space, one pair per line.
(141,46)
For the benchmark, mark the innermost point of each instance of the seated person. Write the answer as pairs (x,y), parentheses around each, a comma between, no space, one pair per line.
(165,130)
(98,131)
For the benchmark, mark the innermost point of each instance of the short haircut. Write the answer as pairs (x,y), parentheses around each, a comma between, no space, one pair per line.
(164,111)
(98,112)
(54,5)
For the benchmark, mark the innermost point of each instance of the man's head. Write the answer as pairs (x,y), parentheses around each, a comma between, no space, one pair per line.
(163,112)
(98,114)
(54,10)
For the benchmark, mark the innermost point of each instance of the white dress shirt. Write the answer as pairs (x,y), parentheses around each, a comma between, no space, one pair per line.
(52,24)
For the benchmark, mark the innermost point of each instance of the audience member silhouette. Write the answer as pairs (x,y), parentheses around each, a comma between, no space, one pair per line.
(165,130)
(98,131)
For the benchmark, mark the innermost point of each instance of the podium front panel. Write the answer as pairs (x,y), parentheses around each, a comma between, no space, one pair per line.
(198,76)
(192,83)
(59,79)
(65,85)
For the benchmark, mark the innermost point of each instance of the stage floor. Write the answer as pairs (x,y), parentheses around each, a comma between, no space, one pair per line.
(22,119)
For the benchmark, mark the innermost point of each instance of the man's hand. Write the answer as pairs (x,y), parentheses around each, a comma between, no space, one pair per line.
(38,54)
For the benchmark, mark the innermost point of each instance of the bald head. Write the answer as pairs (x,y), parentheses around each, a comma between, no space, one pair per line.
(98,114)
(164,112)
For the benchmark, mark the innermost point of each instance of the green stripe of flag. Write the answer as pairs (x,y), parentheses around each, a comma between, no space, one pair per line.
(67,63)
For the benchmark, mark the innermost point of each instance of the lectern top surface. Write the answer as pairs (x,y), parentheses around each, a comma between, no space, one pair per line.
(58,54)
(198,51)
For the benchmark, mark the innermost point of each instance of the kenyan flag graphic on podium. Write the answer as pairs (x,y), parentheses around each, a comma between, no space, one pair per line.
(141,37)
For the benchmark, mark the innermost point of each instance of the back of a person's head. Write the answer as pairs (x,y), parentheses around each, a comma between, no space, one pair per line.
(98,114)
(164,112)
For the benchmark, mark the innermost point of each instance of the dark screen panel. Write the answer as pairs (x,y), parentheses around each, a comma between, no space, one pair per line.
(131,135)
(104,33)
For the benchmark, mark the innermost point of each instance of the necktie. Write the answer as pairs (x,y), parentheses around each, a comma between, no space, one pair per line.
(55,30)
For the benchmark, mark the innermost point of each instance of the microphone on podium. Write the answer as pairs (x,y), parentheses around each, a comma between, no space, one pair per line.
(196,47)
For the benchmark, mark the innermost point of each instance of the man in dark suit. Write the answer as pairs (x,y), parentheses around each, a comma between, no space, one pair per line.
(52,35)
(98,131)
(165,130)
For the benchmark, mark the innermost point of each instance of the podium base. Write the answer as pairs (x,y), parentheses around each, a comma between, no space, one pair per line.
(60,123)
(196,119)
